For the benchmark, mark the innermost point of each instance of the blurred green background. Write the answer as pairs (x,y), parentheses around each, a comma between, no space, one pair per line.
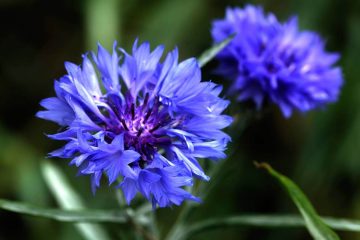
(319,151)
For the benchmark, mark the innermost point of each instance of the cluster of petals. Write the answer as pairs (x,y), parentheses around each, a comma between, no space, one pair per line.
(273,62)
(141,122)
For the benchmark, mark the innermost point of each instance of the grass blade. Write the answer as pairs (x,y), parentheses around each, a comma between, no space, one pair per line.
(209,54)
(65,215)
(114,216)
(315,225)
(68,199)
(264,221)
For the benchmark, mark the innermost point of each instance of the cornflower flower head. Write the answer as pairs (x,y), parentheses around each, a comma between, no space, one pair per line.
(139,121)
(273,62)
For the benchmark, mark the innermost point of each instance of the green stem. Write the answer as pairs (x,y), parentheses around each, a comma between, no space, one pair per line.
(178,225)
(239,125)
(132,218)
(138,227)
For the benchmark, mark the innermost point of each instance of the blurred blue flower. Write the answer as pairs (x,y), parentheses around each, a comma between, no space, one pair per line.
(145,123)
(273,62)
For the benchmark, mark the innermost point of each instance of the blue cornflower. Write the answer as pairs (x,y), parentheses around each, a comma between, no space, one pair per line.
(145,123)
(273,62)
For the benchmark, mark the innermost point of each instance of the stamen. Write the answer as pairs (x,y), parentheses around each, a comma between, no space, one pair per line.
(146,100)
(147,115)
(157,126)
(139,132)
(124,124)
(132,111)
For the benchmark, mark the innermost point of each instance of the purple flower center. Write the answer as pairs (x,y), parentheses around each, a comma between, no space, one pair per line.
(143,123)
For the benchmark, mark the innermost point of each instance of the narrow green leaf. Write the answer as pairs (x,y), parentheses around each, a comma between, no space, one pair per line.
(65,215)
(68,199)
(115,216)
(316,227)
(209,54)
(264,221)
